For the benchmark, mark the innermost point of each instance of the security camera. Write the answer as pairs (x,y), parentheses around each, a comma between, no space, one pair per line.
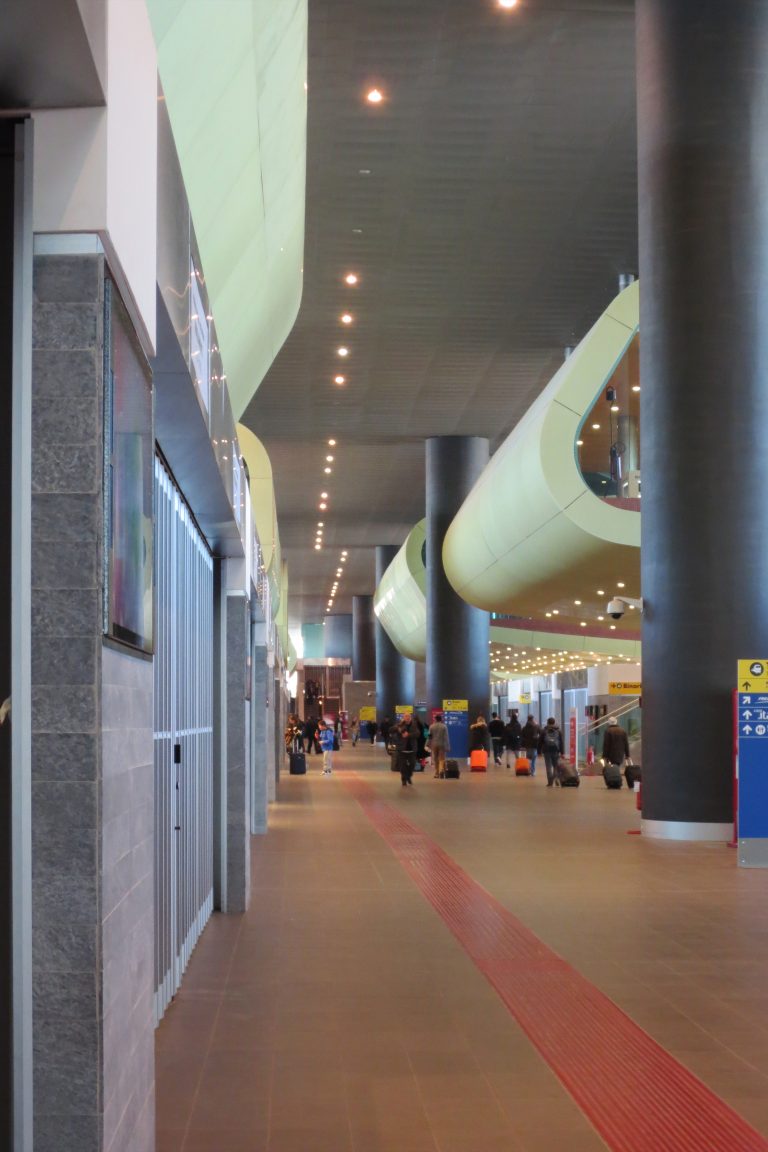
(618,606)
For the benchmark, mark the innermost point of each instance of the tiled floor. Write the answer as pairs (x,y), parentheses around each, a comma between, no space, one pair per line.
(341,1014)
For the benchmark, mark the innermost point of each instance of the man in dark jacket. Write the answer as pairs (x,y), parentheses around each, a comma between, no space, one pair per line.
(496,729)
(310,731)
(512,737)
(551,748)
(529,740)
(615,743)
(409,746)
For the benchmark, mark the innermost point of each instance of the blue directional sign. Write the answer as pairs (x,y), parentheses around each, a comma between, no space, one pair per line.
(753,765)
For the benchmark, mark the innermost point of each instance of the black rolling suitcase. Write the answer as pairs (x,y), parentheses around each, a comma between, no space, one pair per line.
(298,764)
(452,771)
(612,776)
(567,774)
(632,772)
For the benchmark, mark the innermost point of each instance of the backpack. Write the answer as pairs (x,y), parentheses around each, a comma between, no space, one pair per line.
(552,739)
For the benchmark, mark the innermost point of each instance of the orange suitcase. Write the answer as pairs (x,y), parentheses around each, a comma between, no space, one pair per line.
(522,766)
(478,760)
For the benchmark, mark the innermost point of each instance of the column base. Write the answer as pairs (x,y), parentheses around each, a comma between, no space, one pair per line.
(686,830)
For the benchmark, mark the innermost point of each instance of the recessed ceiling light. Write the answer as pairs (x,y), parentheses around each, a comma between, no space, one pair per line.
(613,627)
(350,278)
(577,601)
(375,96)
(332,443)
(323,495)
(364,171)
(344,552)
(342,351)
(635,387)
(614,407)
(619,584)
(323,506)
(339,379)
(579,443)
(549,613)
(596,427)
(601,617)
(555,611)
(582,624)
(318,547)
(347,319)
(600,592)
(327,471)
(507,3)
(320,524)
(329,459)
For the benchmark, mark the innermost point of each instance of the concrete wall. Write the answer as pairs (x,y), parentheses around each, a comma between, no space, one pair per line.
(92,896)
(127,901)
(237,717)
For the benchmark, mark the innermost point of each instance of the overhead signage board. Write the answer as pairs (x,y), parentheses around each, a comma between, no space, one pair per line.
(456,720)
(402,711)
(753,676)
(625,688)
(367,712)
(752,754)
(525,697)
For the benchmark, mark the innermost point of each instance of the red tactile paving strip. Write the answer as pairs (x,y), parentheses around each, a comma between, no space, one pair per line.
(638,1097)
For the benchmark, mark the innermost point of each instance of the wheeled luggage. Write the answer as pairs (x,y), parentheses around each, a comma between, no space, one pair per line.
(298,764)
(393,764)
(567,774)
(522,766)
(478,760)
(612,776)
(452,771)
(632,772)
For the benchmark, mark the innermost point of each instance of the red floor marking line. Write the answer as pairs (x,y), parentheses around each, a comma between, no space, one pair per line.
(637,1096)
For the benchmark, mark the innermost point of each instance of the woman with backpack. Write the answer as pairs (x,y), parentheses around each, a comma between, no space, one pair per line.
(551,748)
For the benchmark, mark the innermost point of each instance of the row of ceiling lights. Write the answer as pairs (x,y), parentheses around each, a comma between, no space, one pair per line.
(578,604)
(614,408)
(339,574)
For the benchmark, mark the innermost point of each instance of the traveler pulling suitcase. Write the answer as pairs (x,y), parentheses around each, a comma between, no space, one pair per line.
(452,771)
(298,764)
(567,774)
(612,776)
(522,766)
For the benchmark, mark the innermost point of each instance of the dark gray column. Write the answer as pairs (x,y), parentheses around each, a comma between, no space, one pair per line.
(338,637)
(363,638)
(395,674)
(457,634)
(703,185)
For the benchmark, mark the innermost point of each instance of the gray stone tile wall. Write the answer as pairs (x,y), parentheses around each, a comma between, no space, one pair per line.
(238,761)
(127,901)
(262,676)
(92,898)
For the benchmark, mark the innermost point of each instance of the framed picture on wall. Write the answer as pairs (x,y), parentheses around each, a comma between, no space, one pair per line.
(128,481)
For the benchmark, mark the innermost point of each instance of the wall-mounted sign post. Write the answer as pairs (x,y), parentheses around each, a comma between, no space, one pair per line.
(752,759)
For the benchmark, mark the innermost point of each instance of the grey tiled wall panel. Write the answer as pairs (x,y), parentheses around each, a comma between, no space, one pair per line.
(238,769)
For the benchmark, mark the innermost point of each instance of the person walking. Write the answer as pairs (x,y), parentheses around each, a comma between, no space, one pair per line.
(615,743)
(479,736)
(310,731)
(439,745)
(513,734)
(496,729)
(551,747)
(529,741)
(384,728)
(325,736)
(371,729)
(409,745)
(354,730)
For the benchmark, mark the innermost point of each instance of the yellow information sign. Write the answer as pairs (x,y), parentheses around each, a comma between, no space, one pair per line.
(455,705)
(753,676)
(403,709)
(368,712)
(625,688)
(525,697)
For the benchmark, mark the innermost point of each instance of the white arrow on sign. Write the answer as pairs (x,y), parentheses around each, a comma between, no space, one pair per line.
(747,729)
(747,715)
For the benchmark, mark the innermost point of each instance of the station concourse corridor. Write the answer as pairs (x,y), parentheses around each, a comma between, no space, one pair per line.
(356,1008)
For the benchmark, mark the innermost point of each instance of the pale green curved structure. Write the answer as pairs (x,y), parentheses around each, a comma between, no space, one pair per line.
(264,509)
(531,531)
(234,78)
(400,601)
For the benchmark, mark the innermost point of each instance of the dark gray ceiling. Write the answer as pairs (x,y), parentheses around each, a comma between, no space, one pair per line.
(488,206)
(45,57)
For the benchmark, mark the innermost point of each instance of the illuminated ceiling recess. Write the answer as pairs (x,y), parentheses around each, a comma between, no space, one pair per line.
(234,78)
(531,531)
